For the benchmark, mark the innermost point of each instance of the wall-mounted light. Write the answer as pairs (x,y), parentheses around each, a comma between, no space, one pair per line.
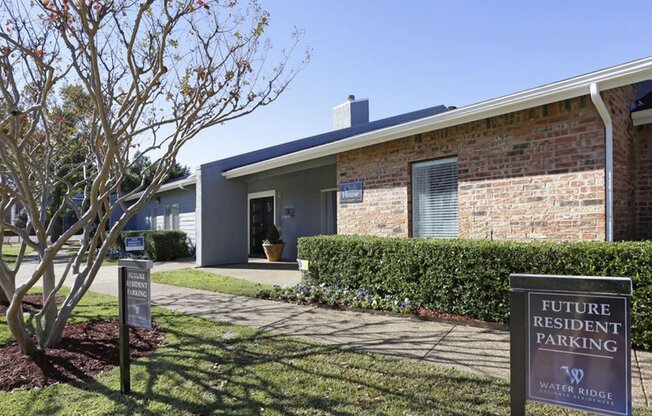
(158,199)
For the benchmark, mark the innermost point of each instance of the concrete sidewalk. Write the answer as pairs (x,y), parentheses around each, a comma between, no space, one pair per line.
(478,350)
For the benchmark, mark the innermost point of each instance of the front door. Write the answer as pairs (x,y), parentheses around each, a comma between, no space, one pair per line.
(261,217)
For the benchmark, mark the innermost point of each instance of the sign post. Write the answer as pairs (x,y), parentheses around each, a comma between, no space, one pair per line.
(570,343)
(135,309)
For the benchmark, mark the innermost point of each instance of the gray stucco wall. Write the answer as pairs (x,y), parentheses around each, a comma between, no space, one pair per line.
(222,207)
(302,190)
(186,198)
(220,217)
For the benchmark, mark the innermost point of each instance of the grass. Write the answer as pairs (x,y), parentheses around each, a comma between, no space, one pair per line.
(205,367)
(10,252)
(197,279)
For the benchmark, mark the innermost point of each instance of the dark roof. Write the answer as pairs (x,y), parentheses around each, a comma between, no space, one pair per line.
(324,138)
(643,96)
(644,103)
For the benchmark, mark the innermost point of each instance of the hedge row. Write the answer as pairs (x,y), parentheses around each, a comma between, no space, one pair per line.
(471,277)
(160,245)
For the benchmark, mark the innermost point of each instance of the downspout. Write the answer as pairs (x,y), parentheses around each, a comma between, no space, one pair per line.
(609,158)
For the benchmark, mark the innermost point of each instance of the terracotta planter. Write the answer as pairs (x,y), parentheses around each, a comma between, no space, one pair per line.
(273,251)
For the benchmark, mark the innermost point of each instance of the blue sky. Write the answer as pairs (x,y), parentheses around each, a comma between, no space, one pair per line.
(408,55)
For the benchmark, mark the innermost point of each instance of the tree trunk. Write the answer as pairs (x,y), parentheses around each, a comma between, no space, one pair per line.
(4,300)
(16,326)
(50,315)
(55,331)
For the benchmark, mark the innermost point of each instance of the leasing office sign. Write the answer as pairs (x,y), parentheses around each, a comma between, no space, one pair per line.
(577,342)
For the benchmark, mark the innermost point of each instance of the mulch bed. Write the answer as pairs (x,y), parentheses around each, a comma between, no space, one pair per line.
(31,303)
(86,349)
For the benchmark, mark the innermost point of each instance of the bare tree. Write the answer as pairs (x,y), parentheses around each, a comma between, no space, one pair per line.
(157,73)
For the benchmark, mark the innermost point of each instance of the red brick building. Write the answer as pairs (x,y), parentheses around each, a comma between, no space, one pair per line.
(567,161)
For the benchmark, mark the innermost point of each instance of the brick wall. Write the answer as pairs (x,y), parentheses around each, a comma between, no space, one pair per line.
(643,177)
(530,175)
(624,198)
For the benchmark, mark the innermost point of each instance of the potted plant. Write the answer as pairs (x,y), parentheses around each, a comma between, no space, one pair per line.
(273,245)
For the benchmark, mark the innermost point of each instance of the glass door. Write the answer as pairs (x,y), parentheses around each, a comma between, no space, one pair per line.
(261,218)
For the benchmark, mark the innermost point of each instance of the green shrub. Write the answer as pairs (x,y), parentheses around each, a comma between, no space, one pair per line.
(273,236)
(471,277)
(160,245)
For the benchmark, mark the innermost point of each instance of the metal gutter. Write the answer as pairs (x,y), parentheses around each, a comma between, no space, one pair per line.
(609,158)
(190,180)
(613,77)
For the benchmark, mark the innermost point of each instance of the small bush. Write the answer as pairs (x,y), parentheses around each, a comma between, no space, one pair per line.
(273,236)
(471,277)
(160,245)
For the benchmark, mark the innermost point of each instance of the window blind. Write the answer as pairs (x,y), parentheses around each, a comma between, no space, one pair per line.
(434,198)
(166,217)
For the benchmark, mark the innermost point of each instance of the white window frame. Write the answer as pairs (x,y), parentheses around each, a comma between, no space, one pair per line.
(434,162)
(168,218)
(256,195)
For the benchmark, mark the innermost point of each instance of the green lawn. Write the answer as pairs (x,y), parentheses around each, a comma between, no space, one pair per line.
(10,252)
(208,281)
(206,367)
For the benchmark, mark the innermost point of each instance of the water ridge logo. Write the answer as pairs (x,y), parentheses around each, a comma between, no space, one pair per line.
(575,375)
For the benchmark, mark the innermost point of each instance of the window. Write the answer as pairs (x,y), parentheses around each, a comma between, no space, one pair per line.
(152,219)
(171,217)
(434,198)
(329,211)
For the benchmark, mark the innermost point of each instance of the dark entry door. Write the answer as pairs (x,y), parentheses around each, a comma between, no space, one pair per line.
(261,217)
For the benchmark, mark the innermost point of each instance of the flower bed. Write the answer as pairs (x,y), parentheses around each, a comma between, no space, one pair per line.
(338,297)
(366,300)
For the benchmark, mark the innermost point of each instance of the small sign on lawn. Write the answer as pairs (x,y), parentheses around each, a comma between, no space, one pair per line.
(134,243)
(570,342)
(134,298)
(138,299)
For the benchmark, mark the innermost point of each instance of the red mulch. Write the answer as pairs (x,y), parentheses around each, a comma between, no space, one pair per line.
(449,317)
(31,303)
(86,349)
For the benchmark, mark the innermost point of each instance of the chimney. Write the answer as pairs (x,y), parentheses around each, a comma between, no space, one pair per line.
(352,113)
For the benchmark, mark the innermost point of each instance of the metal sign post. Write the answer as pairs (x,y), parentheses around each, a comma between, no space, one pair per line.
(570,343)
(134,294)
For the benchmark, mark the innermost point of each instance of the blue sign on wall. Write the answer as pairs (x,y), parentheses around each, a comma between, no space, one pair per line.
(134,243)
(351,192)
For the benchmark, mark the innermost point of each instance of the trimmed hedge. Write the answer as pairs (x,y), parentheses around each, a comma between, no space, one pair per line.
(160,245)
(471,277)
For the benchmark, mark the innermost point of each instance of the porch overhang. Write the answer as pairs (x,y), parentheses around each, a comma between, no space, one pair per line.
(642,117)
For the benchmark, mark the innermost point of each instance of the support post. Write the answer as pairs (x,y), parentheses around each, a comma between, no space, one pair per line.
(517,342)
(125,376)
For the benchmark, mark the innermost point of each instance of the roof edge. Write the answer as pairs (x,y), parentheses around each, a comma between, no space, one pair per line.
(609,78)
(169,186)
